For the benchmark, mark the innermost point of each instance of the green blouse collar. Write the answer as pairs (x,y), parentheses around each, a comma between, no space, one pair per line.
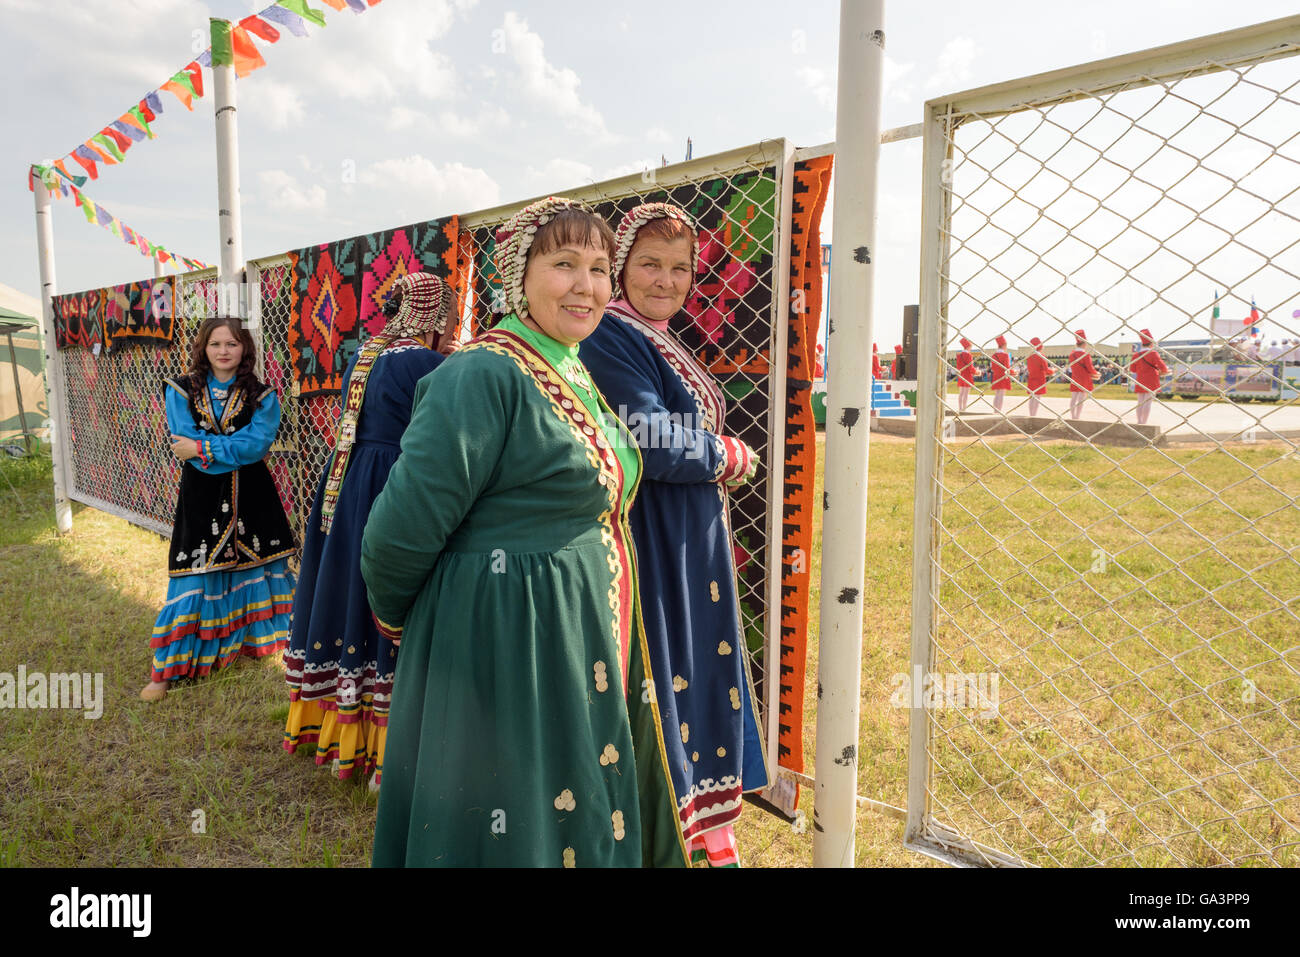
(563,358)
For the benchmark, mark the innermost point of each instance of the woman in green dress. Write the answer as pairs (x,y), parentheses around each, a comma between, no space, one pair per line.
(523,729)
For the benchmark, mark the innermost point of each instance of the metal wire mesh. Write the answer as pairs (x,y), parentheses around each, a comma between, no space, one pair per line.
(1113,670)
(117,424)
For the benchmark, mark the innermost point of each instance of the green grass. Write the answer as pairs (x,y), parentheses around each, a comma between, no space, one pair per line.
(1118,686)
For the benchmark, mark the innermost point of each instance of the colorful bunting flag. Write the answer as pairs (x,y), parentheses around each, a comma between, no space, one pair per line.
(286,18)
(75,180)
(307,13)
(259,27)
(230,46)
(86,160)
(247,59)
(122,141)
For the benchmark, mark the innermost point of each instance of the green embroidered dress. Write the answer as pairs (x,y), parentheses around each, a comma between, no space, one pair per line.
(500,545)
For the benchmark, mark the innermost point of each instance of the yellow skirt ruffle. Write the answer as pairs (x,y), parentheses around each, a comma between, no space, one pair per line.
(353,736)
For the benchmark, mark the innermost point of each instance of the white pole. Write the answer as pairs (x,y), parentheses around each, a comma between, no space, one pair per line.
(230,273)
(54,390)
(848,423)
(158,271)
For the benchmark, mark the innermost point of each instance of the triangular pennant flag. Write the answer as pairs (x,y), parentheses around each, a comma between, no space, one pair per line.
(31,179)
(122,143)
(133,119)
(307,13)
(128,234)
(106,153)
(222,54)
(116,227)
(195,74)
(101,214)
(205,58)
(357,6)
(152,104)
(88,208)
(1216,305)
(129,130)
(247,59)
(286,18)
(337,4)
(86,160)
(142,244)
(78,180)
(259,27)
(179,86)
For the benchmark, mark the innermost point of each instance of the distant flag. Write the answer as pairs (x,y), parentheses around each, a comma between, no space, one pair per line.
(663,160)
(1216,305)
(690,150)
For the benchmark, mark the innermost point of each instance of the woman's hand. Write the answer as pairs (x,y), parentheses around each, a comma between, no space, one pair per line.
(184,449)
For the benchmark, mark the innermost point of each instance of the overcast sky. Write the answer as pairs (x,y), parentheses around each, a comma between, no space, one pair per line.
(432,107)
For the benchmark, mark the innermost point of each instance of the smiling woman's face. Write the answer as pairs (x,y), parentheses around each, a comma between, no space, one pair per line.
(568,289)
(657,276)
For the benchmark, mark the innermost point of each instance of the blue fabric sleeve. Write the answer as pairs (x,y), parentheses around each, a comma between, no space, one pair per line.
(670,451)
(179,420)
(251,443)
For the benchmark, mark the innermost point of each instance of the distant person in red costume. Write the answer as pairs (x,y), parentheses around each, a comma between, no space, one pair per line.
(1001,373)
(1083,374)
(965,374)
(876,371)
(896,370)
(1040,369)
(1147,367)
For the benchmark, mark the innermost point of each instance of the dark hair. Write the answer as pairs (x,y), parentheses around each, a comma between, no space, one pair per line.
(572,227)
(245,377)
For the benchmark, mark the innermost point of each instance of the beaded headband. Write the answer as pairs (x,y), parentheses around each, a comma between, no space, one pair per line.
(515,238)
(632,223)
(427,303)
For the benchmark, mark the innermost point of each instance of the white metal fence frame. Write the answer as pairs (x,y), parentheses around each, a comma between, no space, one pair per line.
(925,832)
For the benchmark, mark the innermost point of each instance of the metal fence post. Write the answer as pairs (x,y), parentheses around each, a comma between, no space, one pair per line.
(848,422)
(53,367)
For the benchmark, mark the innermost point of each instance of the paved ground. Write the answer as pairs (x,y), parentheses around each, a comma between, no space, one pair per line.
(1181,421)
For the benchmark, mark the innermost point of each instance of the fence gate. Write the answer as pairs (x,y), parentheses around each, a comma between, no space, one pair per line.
(1105,639)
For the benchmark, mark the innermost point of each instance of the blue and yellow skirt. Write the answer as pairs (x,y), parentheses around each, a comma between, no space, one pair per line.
(209,620)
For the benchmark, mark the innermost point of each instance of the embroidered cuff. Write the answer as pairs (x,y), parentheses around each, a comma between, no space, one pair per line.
(205,452)
(392,632)
(741,463)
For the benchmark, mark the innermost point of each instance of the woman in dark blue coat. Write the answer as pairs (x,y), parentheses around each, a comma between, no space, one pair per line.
(339,665)
(680,524)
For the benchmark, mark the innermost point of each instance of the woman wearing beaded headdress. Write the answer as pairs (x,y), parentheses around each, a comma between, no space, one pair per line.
(681,527)
(523,728)
(230,586)
(338,666)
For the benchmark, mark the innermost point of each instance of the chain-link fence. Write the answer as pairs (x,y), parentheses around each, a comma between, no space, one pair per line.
(312,309)
(1106,641)
(117,424)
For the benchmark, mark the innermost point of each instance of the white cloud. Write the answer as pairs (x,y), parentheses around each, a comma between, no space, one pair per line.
(954,66)
(557,175)
(378,57)
(821,83)
(657,134)
(279,105)
(897,86)
(414,187)
(555,88)
(283,192)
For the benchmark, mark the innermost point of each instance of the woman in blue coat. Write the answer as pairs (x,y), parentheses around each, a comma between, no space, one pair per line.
(339,666)
(676,413)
